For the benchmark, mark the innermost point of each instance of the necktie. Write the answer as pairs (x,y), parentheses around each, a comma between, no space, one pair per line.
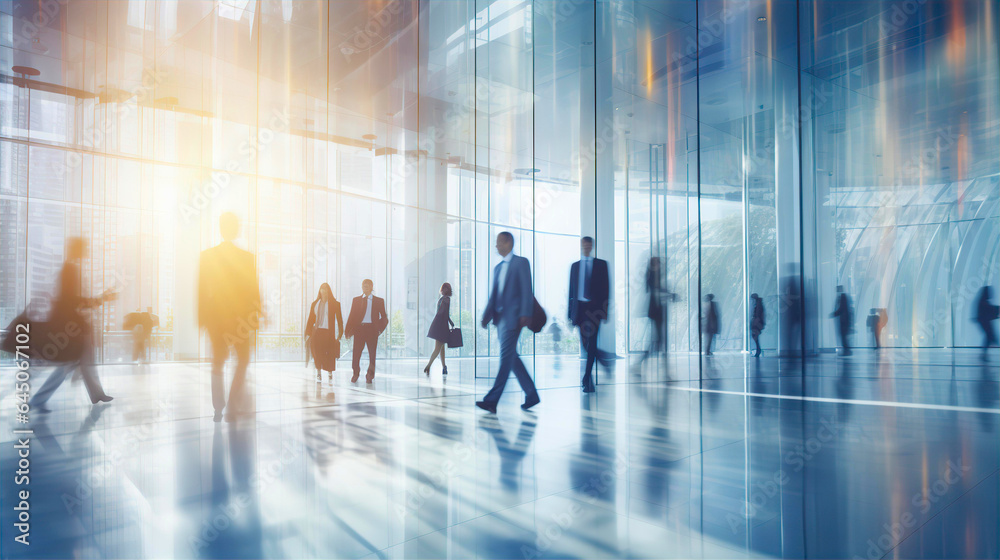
(586,279)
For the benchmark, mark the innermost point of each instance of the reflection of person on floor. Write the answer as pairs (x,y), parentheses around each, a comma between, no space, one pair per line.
(510,308)
(986,313)
(229,308)
(365,323)
(324,328)
(440,329)
(511,454)
(757,321)
(589,293)
(71,331)
(877,319)
(711,322)
(845,319)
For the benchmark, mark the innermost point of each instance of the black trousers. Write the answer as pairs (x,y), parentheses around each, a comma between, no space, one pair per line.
(844,334)
(589,327)
(325,349)
(365,335)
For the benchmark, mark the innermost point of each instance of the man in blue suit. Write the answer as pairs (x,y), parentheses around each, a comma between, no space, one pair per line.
(510,308)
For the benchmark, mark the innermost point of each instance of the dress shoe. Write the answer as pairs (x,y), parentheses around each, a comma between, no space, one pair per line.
(530,402)
(590,389)
(105,398)
(487,406)
(354,378)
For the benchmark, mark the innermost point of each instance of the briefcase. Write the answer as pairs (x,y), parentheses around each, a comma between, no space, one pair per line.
(538,318)
(455,338)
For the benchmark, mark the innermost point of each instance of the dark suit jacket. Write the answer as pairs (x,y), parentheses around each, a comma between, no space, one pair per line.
(334,320)
(228,290)
(358,308)
(600,292)
(517,299)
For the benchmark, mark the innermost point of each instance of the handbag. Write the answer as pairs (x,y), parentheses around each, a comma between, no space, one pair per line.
(10,335)
(538,318)
(455,338)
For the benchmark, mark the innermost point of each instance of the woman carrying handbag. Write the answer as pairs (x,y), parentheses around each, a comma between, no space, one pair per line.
(324,320)
(440,329)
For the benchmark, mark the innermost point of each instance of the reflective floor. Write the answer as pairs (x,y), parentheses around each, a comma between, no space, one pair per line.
(893,455)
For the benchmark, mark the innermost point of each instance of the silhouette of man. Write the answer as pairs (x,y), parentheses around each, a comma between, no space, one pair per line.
(986,313)
(711,322)
(365,323)
(510,308)
(844,319)
(229,309)
(757,321)
(589,292)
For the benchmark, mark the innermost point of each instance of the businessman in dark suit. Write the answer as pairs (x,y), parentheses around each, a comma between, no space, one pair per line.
(365,323)
(510,308)
(589,292)
(230,310)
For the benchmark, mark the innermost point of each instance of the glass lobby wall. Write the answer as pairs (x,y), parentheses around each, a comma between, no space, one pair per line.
(393,140)
(901,105)
(648,57)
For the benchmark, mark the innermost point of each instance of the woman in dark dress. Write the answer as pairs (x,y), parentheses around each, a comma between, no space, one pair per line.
(324,320)
(441,328)
(756,321)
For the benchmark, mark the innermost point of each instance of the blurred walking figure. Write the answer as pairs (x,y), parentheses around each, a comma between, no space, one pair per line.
(986,313)
(440,329)
(711,322)
(70,329)
(589,292)
(756,321)
(877,319)
(657,309)
(229,309)
(324,328)
(845,320)
(511,307)
(365,323)
(141,324)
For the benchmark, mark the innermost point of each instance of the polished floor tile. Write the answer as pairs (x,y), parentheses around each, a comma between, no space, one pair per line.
(890,455)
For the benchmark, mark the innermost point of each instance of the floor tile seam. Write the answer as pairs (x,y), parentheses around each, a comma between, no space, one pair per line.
(833,400)
(942,510)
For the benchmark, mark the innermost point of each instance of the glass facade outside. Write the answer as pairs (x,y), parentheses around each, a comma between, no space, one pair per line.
(775,147)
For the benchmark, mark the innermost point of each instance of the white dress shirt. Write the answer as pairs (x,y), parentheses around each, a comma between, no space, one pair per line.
(368,311)
(586,267)
(502,272)
(322,321)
